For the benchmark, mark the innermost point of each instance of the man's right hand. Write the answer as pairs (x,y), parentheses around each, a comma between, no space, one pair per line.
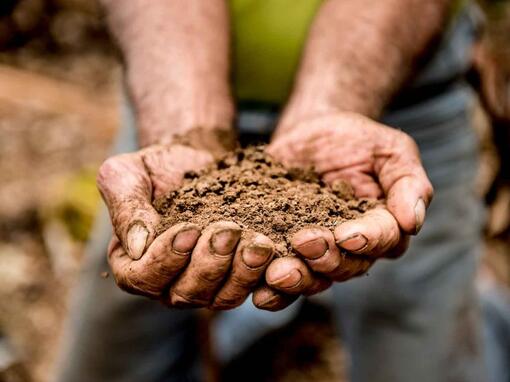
(185,266)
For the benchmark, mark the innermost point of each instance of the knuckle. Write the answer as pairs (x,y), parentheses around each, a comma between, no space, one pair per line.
(406,140)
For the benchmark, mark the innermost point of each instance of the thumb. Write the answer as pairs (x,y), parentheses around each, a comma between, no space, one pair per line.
(405,183)
(127,191)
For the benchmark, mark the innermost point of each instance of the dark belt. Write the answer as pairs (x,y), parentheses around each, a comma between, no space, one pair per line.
(407,97)
(413,96)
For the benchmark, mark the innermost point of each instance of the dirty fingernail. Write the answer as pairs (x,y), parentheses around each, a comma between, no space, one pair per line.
(268,302)
(255,255)
(419,213)
(185,240)
(289,280)
(220,303)
(136,241)
(354,242)
(313,249)
(223,242)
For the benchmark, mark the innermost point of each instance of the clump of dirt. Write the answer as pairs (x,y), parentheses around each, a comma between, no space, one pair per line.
(253,190)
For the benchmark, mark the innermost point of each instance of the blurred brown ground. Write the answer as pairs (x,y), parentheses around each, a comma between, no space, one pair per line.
(59,81)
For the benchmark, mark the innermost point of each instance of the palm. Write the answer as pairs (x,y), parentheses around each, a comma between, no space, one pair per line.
(379,162)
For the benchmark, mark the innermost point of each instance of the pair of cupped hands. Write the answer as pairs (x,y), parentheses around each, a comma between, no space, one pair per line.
(220,265)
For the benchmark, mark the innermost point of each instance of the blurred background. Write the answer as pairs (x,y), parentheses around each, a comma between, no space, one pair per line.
(59,81)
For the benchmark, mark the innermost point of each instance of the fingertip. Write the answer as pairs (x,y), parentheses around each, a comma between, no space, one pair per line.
(224,238)
(256,255)
(289,275)
(137,240)
(351,235)
(408,200)
(419,214)
(309,243)
(268,299)
(373,234)
(353,243)
(219,304)
(255,250)
(185,238)
(410,216)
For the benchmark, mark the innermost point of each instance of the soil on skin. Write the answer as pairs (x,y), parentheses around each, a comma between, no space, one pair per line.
(251,189)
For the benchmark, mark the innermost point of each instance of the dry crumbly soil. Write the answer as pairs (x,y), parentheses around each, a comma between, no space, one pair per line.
(252,189)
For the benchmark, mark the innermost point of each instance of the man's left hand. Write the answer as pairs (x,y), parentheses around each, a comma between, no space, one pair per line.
(378,161)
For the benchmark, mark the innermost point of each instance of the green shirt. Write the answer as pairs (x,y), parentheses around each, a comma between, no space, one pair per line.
(268,37)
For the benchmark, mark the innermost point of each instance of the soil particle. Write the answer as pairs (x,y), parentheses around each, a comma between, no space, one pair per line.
(251,189)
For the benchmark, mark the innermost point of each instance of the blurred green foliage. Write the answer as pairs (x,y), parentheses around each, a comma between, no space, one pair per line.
(74,202)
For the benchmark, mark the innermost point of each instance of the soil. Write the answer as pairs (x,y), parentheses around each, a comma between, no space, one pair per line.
(253,190)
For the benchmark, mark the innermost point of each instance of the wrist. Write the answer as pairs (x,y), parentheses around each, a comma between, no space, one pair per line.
(197,118)
(302,106)
(316,101)
(198,125)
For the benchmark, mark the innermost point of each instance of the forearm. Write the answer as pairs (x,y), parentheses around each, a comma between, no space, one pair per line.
(177,66)
(359,53)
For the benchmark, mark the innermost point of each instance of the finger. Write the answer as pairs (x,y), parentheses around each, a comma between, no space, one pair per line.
(165,258)
(119,263)
(317,247)
(289,275)
(373,234)
(319,284)
(127,191)
(404,181)
(266,298)
(408,200)
(400,248)
(253,254)
(166,165)
(352,266)
(364,185)
(210,261)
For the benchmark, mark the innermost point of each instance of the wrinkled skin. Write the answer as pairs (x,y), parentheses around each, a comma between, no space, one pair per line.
(379,162)
(185,266)
(220,265)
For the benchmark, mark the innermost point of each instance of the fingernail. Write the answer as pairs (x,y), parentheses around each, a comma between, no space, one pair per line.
(313,249)
(137,239)
(223,242)
(290,280)
(419,213)
(354,242)
(220,303)
(256,255)
(268,302)
(185,240)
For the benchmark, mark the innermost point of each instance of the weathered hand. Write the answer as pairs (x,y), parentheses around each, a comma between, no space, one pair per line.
(378,161)
(184,266)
